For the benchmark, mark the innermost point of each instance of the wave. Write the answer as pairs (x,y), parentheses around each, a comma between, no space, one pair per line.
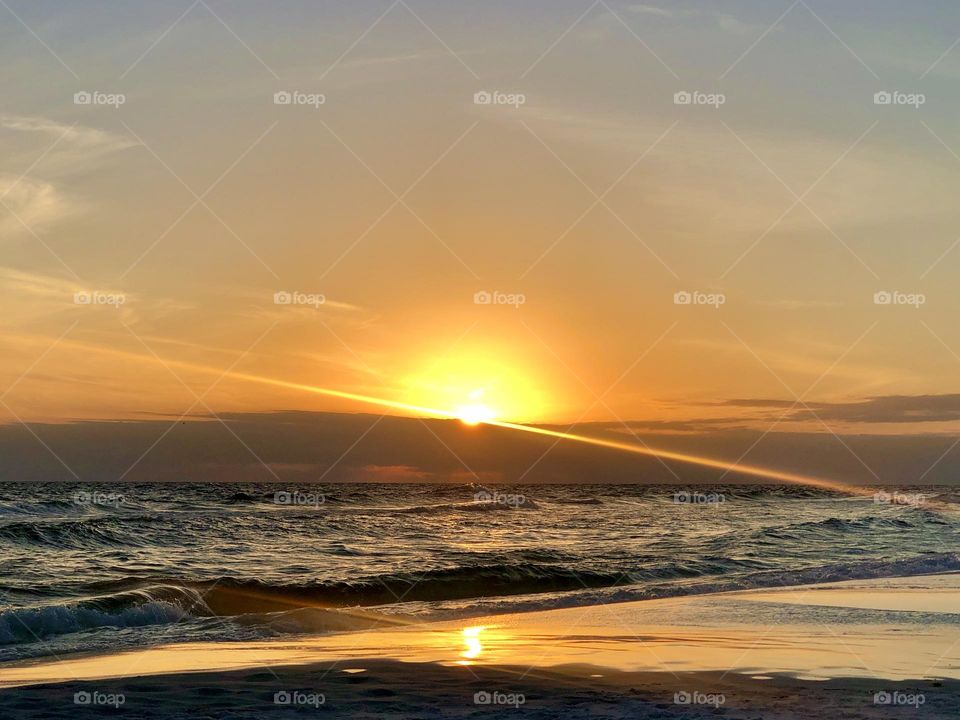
(506,504)
(930,564)
(390,599)
(136,608)
(39,507)
(72,533)
(229,596)
(168,604)
(795,531)
(234,597)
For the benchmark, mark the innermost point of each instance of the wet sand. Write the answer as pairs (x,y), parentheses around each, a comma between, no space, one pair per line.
(860,649)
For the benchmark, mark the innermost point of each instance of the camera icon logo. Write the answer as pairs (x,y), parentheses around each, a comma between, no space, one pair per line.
(882,698)
(882,98)
(82,98)
(682,298)
(282,98)
(482,297)
(282,498)
(682,98)
(682,698)
(82,697)
(283,298)
(483,98)
(482,697)
(882,297)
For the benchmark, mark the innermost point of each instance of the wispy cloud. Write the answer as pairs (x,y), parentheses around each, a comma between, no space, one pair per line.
(642,9)
(30,203)
(32,195)
(724,21)
(74,148)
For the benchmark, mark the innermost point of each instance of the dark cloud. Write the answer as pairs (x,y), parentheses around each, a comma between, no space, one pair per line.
(881,409)
(307,447)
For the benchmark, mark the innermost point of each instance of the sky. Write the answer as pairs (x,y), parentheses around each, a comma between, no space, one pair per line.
(778,255)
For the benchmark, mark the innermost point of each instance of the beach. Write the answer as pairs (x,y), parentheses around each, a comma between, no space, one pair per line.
(854,649)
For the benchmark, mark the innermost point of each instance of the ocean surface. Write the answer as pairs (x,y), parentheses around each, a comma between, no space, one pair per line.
(86,568)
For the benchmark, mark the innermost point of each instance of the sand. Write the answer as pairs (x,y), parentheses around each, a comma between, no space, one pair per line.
(871,649)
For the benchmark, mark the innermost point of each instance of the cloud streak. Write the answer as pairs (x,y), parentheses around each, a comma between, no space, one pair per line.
(33,198)
(878,409)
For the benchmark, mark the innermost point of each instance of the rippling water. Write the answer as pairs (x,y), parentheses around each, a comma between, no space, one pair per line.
(93,568)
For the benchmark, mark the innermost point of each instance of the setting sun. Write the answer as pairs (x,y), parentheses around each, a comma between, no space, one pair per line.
(476,387)
(475,414)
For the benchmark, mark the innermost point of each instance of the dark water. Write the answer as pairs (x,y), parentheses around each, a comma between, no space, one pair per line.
(93,568)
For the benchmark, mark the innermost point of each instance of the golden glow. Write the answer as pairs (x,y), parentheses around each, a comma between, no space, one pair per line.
(475,414)
(472,645)
(475,386)
(423,411)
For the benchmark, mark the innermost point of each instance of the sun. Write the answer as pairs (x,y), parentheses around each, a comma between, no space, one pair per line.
(475,414)
(476,385)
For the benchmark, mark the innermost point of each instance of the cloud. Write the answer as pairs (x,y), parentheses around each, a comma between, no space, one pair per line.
(641,9)
(73,149)
(703,165)
(633,427)
(738,27)
(34,285)
(879,409)
(33,202)
(30,204)
(75,136)
(725,21)
(300,446)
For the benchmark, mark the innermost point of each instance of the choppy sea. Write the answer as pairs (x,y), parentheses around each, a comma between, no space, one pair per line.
(87,568)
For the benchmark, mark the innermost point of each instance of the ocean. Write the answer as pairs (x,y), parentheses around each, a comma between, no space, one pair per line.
(88,568)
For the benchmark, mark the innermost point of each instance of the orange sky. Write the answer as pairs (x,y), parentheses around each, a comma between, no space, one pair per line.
(167,232)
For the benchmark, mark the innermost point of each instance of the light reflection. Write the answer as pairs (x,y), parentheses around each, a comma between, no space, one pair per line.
(472,645)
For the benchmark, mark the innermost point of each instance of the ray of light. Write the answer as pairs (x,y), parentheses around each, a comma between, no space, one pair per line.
(419,410)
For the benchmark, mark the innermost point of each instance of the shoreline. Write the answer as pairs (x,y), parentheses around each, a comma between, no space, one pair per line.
(837,648)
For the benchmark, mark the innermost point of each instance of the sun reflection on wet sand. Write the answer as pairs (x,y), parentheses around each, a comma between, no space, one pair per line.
(706,634)
(473,646)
